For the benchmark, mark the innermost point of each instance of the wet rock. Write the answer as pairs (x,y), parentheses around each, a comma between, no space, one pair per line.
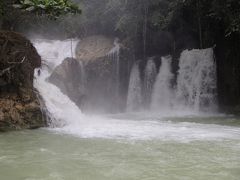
(19,105)
(67,76)
(100,71)
(17,115)
(94,47)
(106,63)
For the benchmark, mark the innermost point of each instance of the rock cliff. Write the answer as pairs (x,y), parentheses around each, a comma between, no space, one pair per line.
(19,105)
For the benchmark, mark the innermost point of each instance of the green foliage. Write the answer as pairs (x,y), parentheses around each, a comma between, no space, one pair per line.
(161,16)
(51,8)
(1,8)
(128,17)
(3,4)
(224,12)
(108,16)
(228,13)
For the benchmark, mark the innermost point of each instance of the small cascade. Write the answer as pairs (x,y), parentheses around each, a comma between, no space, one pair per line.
(150,74)
(114,55)
(162,95)
(61,109)
(83,77)
(134,98)
(196,82)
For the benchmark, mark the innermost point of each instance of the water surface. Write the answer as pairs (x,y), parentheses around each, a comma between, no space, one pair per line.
(56,154)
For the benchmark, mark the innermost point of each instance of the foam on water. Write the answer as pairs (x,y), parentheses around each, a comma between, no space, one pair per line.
(68,118)
(102,127)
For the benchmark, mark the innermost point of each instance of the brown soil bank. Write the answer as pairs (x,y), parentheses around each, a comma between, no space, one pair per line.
(19,105)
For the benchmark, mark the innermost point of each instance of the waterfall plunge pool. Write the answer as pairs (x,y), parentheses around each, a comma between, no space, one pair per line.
(178,148)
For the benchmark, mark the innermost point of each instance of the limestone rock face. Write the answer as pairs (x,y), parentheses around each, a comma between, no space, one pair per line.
(19,105)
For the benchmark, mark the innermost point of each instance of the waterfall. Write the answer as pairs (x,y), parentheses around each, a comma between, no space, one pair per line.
(195,88)
(114,55)
(62,110)
(54,52)
(162,95)
(83,77)
(196,82)
(134,98)
(150,74)
(67,117)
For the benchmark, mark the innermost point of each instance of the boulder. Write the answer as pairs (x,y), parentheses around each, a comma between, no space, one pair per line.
(94,47)
(67,76)
(19,105)
(106,63)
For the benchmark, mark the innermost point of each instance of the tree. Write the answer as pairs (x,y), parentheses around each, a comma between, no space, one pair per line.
(14,11)
(227,12)
(51,8)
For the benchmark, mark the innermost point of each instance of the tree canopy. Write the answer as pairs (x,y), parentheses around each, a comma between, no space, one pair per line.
(52,8)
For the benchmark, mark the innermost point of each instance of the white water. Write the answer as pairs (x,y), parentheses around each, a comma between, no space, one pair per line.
(62,110)
(149,80)
(196,83)
(68,118)
(134,98)
(54,52)
(162,95)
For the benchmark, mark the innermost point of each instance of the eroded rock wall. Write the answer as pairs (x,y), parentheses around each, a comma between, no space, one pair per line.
(19,105)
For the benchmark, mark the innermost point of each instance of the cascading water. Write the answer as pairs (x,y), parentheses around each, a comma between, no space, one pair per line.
(61,109)
(149,80)
(134,98)
(83,77)
(196,82)
(54,52)
(114,55)
(162,95)
(67,117)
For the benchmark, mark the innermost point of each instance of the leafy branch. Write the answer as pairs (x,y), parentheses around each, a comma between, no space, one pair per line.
(51,8)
